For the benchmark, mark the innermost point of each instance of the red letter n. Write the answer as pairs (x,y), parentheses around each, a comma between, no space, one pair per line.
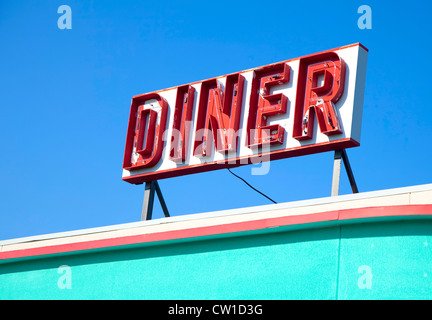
(220,111)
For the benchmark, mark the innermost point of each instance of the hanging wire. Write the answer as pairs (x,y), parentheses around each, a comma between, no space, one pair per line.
(251,186)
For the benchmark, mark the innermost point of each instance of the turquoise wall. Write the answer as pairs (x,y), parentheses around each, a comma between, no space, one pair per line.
(379,260)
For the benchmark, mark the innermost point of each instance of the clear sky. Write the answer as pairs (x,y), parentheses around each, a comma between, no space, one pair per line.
(65,101)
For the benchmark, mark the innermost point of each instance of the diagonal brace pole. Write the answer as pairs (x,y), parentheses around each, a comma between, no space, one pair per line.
(147,210)
(349,172)
(339,156)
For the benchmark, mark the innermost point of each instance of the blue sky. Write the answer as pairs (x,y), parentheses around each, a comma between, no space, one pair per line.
(65,100)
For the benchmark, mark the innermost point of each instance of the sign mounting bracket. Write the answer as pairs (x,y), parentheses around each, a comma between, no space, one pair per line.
(149,192)
(339,156)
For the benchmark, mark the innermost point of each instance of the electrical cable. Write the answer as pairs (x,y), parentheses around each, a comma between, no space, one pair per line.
(251,186)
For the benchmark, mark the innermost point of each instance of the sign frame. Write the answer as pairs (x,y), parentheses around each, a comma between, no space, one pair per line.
(166,111)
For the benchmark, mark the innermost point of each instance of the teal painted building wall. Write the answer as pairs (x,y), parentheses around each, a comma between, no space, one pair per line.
(362,259)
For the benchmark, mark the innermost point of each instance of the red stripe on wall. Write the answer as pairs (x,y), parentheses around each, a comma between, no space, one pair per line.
(337,215)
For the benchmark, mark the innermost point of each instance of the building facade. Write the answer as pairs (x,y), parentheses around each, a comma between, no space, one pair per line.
(374,245)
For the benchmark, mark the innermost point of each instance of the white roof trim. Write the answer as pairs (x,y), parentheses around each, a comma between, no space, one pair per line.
(294,204)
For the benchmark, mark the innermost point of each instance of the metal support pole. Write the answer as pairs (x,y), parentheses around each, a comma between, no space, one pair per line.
(147,208)
(339,156)
(149,193)
(336,173)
